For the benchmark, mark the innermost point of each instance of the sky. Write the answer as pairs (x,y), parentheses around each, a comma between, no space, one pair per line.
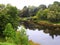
(21,3)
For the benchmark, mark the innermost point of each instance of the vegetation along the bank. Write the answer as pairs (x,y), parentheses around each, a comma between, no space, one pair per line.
(11,17)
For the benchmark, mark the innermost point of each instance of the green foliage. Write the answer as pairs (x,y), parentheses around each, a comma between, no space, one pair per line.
(8,14)
(52,13)
(9,33)
(42,14)
(21,36)
(17,37)
(42,7)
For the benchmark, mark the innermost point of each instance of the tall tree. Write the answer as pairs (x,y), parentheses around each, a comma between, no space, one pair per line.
(8,14)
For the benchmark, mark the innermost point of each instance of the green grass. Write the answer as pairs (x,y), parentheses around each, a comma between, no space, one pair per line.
(5,43)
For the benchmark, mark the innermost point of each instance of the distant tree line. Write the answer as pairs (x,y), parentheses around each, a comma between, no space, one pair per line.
(52,13)
(31,10)
(42,12)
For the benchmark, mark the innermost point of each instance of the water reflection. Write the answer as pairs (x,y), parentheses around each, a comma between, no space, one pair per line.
(53,31)
(42,38)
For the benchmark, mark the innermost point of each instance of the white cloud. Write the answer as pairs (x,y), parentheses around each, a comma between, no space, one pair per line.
(21,3)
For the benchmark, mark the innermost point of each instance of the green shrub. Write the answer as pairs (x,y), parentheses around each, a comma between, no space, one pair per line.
(17,37)
(9,33)
(22,37)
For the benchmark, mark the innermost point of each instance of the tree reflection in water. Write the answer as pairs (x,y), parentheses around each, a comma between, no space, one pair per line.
(53,31)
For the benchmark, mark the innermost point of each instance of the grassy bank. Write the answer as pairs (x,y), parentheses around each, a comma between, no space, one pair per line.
(5,43)
(38,21)
(33,43)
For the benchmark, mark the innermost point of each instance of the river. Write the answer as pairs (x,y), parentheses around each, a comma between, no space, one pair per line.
(42,35)
(43,38)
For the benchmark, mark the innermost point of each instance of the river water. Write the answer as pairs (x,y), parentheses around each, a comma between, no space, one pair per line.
(42,34)
(43,38)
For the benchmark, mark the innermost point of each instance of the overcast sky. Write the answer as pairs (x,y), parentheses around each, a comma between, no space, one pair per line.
(21,3)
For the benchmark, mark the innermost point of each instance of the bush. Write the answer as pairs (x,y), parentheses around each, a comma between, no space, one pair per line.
(9,33)
(17,37)
(22,37)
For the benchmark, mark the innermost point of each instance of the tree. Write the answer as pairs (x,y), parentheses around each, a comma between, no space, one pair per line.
(8,14)
(42,14)
(52,13)
(32,10)
(42,7)
(24,12)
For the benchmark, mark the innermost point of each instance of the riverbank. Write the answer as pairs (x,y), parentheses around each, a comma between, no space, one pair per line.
(6,43)
(41,24)
(33,43)
(49,25)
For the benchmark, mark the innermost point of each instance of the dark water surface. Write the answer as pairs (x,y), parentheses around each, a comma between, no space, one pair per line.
(43,38)
(41,34)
